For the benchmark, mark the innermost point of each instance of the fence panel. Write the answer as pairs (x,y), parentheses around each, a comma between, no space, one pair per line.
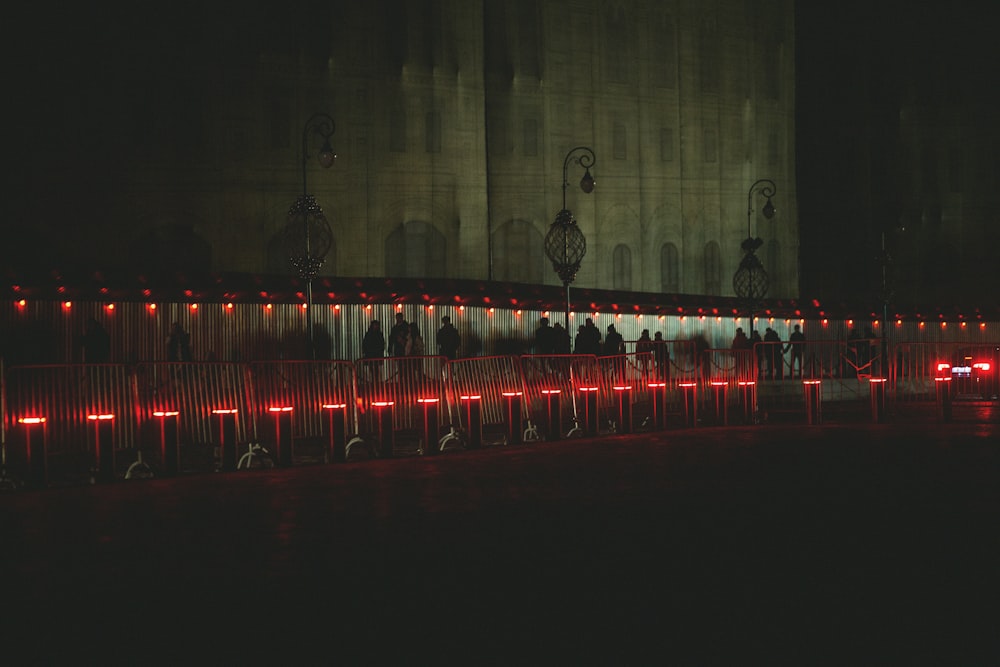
(66,395)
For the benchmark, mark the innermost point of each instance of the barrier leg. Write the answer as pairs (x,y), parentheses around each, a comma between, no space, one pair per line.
(877,386)
(591,421)
(720,391)
(224,436)
(386,434)
(623,405)
(431,427)
(336,432)
(512,411)
(814,401)
(748,401)
(282,435)
(690,396)
(943,389)
(658,404)
(36,450)
(553,414)
(473,407)
(169,444)
(103,446)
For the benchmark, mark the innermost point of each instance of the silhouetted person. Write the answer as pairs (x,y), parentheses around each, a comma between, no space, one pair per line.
(644,350)
(373,344)
(775,359)
(561,338)
(373,349)
(397,337)
(448,339)
(96,343)
(178,344)
(590,342)
(614,344)
(796,343)
(662,356)
(755,344)
(545,338)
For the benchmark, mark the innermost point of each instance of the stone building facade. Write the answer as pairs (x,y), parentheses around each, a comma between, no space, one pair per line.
(453,120)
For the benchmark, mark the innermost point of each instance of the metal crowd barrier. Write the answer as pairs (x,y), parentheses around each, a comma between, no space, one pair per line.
(488,400)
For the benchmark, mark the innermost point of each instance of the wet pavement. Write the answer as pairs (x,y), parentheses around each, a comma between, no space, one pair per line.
(777,544)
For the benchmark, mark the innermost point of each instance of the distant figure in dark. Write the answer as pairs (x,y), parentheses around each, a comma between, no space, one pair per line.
(590,340)
(96,343)
(373,344)
(561,338)
(644,350)
(448,339)
(741,352)
(545,337)
(373,349)
(755,343)
(414,342)
(662,356)
(397,337)
(614,344)
(796,343)
(580,345)
(178,344)
(773,355)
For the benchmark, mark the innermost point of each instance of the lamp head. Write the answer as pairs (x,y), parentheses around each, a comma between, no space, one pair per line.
(326,155)
(587,183)
(768,209)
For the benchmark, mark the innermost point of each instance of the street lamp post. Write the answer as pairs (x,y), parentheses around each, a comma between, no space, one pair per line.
(565,244)
(750,282)
(307,234)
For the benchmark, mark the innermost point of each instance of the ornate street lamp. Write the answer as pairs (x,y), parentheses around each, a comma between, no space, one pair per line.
(565,244)
(307,234)
(750,282)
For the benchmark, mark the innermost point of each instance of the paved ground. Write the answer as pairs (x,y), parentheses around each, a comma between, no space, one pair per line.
(781,544)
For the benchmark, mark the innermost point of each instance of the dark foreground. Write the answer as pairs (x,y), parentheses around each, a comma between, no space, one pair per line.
(778,544)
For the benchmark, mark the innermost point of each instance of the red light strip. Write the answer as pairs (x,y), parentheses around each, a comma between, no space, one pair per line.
(30,421)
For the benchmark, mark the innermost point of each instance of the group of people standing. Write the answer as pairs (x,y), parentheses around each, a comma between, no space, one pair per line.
(405,340)
(771,356)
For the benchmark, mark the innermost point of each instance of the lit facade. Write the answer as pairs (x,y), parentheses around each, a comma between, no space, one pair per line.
(453,119)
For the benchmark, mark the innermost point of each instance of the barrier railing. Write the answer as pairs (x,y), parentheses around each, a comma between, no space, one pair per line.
(91,408)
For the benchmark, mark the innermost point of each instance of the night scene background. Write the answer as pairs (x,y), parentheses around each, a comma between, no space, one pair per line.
(895,138)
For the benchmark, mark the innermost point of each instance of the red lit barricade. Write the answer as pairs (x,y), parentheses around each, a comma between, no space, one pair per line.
(561,393)
(65,395)
(398,398)
(624,386)
(487,401)
(796,384)
(304,408)
(212,402)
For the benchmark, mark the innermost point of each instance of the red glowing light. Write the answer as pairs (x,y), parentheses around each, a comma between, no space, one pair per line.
(334,406)
(551,391)
(511,394)
(103,417)
(110,306)
(305,306)
(152,306)
(225,411)
(30,421)
(166,413)
(382,404)
(622,387)
(281,408)
(229,306)
(22,303)
(268,307)
(876,379)
(472,397)
(67,304)
(428,400)
(588,388)
(194,306)
(657,385)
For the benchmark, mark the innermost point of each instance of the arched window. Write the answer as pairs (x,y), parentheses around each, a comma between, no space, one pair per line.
(622,266)
(518,253)
(713,269)
(416,250)
(670,271)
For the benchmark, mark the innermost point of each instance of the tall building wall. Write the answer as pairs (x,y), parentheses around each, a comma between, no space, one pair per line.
(453,122)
